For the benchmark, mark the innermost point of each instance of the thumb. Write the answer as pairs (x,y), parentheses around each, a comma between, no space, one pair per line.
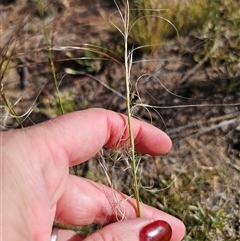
(131,230)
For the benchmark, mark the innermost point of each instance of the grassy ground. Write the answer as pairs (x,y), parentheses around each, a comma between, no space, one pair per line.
(185,82)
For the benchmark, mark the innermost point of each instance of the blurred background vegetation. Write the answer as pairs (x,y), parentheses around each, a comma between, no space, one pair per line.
(190,48)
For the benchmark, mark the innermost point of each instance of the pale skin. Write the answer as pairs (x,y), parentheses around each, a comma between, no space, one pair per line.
(38,189)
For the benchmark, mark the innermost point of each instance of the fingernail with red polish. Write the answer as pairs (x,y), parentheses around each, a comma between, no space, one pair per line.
(156,231)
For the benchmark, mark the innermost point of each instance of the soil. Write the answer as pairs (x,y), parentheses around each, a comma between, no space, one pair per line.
(199,112)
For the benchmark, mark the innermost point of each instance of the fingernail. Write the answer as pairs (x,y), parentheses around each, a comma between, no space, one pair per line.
(156,231)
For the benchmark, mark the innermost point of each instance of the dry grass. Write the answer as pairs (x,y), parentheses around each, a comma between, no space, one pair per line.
(198,181)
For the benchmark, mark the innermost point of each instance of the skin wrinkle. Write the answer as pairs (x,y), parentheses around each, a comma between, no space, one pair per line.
(73,205)
(129,205)
(122,232)
(101,204)
(13,195)
(137,139)
(57,152)
(138,132)
(34,181)
(80,137)
(38,200)
(53,160)
(40,214)
(108,212)
(100,236)
(118,136)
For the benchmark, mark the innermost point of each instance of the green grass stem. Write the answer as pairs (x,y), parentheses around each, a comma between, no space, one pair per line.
(128,63)
(49,49)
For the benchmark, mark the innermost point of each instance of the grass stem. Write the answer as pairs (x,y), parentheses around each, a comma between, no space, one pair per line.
(10,107)
(3,69)
(128,63)
(49,49)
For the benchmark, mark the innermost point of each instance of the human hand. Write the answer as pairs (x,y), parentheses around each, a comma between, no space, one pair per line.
(38,189)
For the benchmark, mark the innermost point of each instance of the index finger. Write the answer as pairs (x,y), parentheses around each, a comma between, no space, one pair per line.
(80,135)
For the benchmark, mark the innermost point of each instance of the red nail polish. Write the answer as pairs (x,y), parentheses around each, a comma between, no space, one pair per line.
(157,231)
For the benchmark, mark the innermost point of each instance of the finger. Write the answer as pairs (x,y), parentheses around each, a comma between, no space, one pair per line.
(85,202)
(68,235)
(80,135)
(122,231)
